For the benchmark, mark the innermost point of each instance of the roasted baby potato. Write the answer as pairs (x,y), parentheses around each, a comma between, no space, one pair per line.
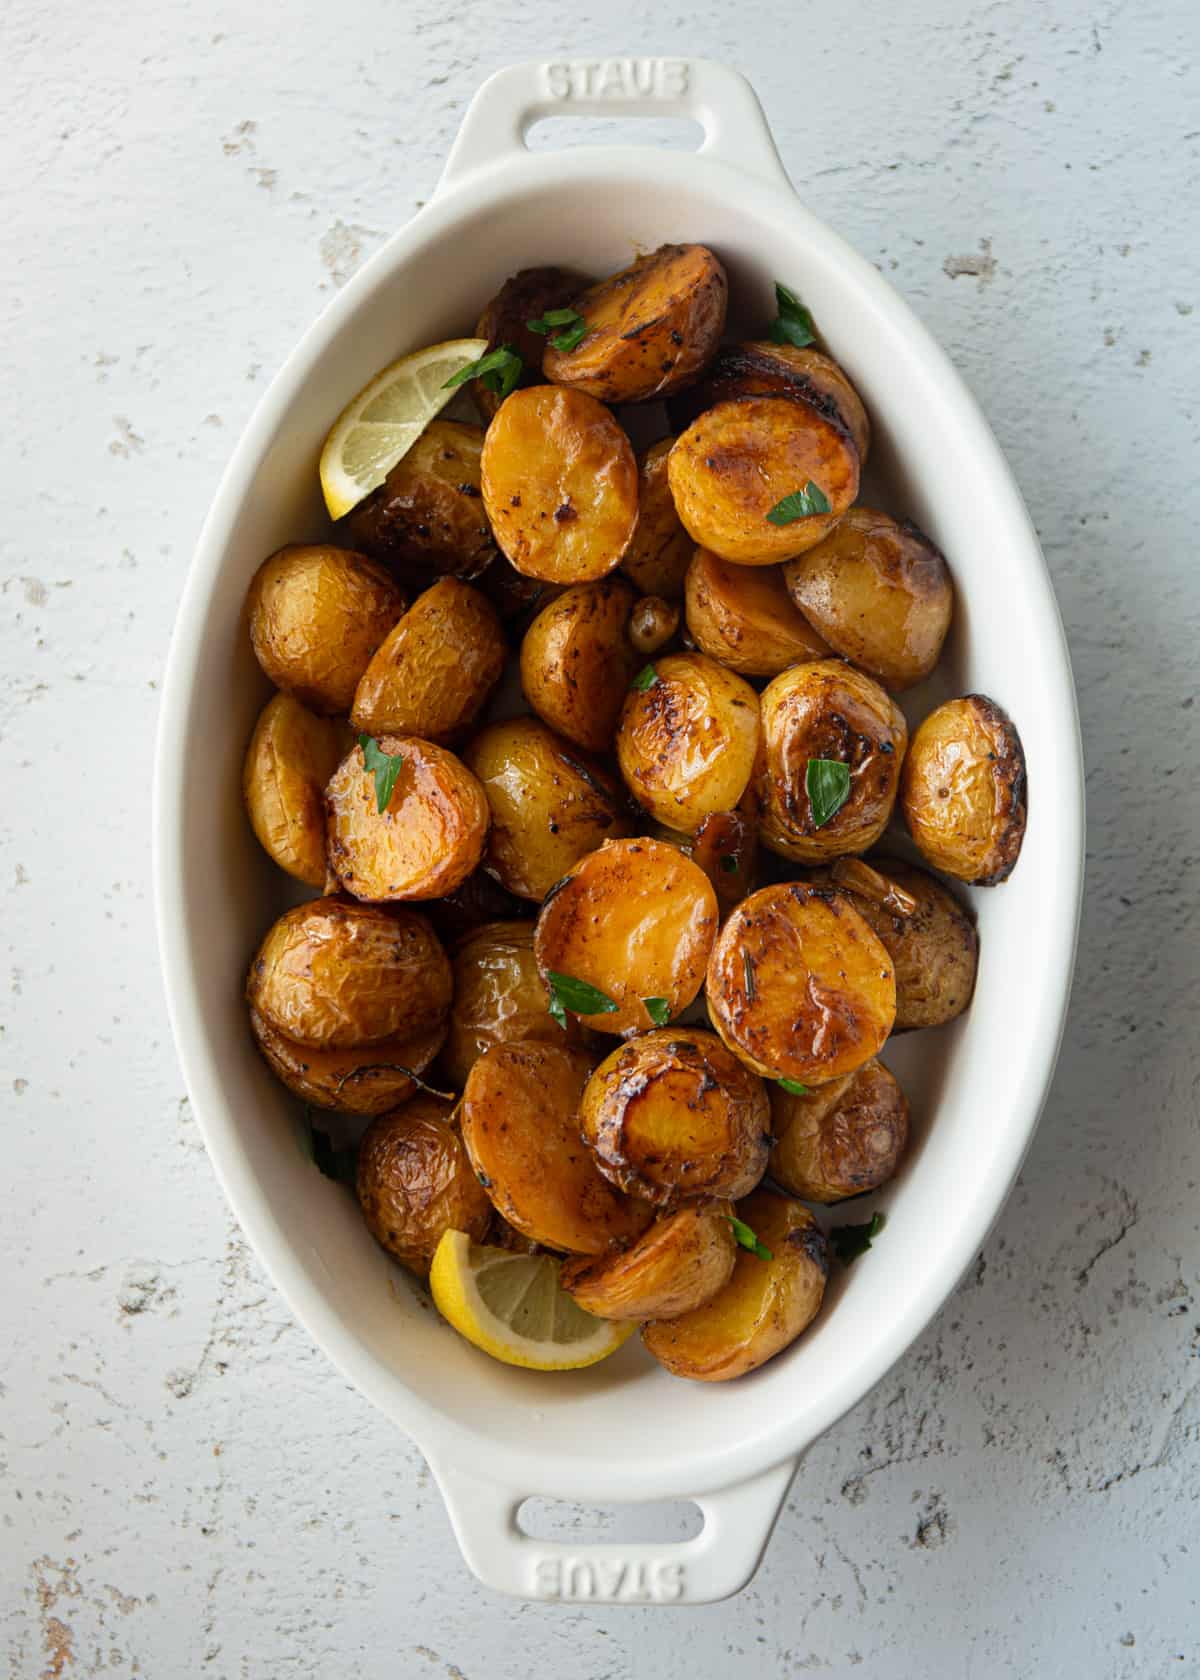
(650,328)
(826,710)
(317,614)
(762,1309)
(680,1262)
(688,739)
(799,986)
(657,558)
(291,756)
(499,998)
(634,920)
(427,516)
(415,1183)
(743,616)
(963,790)
(427,840)
(726,847)
(738,463)
(839,1139)
(365,1079)
(652,624)
(764,369)
(549,803)
(520,1122)
(524,297)
(673,1114)
(433,674)
(559,485)
(338,975)
(880,594)
(577,659)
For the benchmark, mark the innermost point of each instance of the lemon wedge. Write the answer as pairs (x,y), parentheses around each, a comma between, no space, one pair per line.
(512,1306)
(387,417)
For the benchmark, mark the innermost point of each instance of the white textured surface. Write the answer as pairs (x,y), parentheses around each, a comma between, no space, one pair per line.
(187,1486)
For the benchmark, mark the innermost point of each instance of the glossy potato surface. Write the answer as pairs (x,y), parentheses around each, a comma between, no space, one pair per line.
(744,617)
(680,1262)
(839,1139)
(427,516)
(764,369)
(524,297)
(435,670)
(291,756)
(415,1183)
(364,1079)
(657,558)
(499,998)
(577,659)
(963,791)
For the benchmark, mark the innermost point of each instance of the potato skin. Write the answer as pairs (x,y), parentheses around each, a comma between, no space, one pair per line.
(427,517)
(365,1079)
(651,328)
(842,1138)
(577,659)
(520,1121)
(657,558)
(963,792)
(317,613)
(680,1262)
(550,804)
(880,593)
(337,975)
(673,1114)
(799,986)
(687,743)
(434,672)
(292,754)
(763,1308)
(635,919)
(744,617)
(414,1183)
(826,709)
(524,297)
(559,485)
(499,998)
(764,369)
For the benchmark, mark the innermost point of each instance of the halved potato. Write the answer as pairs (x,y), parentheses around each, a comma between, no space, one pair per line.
(364,1079)
(499,998)
(559,484)
(657,558)
(415,1183)
(427,516)
(743,616)
(763,369)
(427,840)
(680,1262)
(839,1139)
(799,986)
(291,756)
(762,1309)
(433,674)
(726,847)
(520,1122)
(577,659)
(524,297)
(963,792)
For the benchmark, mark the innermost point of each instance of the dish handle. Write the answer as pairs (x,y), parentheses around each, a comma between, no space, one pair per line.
(714,1564)
(718,98)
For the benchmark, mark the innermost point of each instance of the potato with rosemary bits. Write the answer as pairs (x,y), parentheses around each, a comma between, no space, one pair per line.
(839,1139)
(765,369)
(427,517)
(679,1263)
(524,297)
(291,756)
(414,1182)
(963,791)
(577,659)
(363,1079)
(499,998)
(434,672)
(744,617)
(657,558)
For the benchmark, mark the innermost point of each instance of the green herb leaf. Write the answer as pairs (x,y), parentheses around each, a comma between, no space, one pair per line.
(849,1241)
(646,678)
(578,996)
(827,783)
(383,766)
(746,1239)
(793,324)
(729,864)
(570,318)
(794,1086)
(499,370)
(801,504)
(658,1009)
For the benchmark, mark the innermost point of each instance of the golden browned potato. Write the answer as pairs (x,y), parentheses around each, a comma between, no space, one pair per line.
(681,1262)
(415,1183)
(688,739)
(880,594)
(291,756)
(577,659)
(499,998)
(657,558)
(650,328)
(764,369)
(338,975)
(559,485)
(673,1114)
(839,1139)
(520,1121)
(434,673)
(743,616)
(738,463)
(799,986)
(963,791)
(364,1079)
(826,710)
(428,838)
(762,1309)
(428,513)
(317,614)
(550,804)
(726,848)
(634,920)
(652,624)
(524,297)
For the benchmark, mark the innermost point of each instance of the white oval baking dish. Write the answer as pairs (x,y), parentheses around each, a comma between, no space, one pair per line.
(624,1431)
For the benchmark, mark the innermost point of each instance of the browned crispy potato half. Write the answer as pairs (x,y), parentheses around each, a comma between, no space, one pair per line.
(338,975)
(499,998)
(434,673)
(652,624)
(799,986)
(739,461)
(688,739)
(291,756)
(524,297)
(681,1262)
(317,614)
(427,840)
(827,710)
(762,1309)
(651,328)
(635,920)
(880,594)
(577,659)
(963,791)
(763,369)
(657,558)
(673,1114)
(559,485)
(839,1139)
(365,1079)
(415,1183)
(743,616)
(520,1121)
(427,515)
(550,804)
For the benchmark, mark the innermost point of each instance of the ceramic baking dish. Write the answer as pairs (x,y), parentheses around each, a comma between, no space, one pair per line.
(623,1431)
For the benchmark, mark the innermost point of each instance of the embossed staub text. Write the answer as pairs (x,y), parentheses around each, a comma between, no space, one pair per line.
(616,78)
(608,1579)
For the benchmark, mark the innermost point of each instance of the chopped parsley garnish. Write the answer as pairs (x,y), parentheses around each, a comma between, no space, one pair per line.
(849,1241)
(793,324)
(800,505)
(578,996)
(827,783)
(746,1239)
(499,370)
(384,766)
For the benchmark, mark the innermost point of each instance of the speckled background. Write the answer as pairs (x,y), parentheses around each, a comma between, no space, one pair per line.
(188,1488)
